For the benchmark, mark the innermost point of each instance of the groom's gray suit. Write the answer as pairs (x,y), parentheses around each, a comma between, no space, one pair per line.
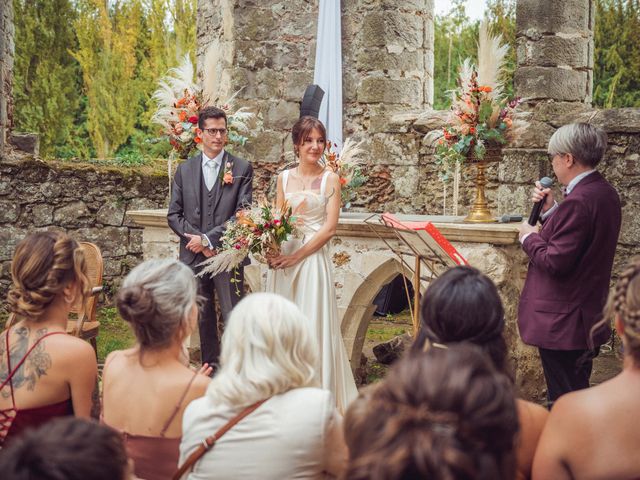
(194,209)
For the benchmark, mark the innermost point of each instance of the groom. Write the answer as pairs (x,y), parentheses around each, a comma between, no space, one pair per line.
(208,189)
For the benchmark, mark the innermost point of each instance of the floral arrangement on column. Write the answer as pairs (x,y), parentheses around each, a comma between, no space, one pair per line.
(481,119)
(180,99)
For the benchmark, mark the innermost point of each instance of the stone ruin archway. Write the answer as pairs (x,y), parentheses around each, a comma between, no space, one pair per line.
(360,309)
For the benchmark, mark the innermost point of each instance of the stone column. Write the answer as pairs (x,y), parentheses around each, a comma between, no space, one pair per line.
(7,48)
(555,50)
(267,49)
(555,77)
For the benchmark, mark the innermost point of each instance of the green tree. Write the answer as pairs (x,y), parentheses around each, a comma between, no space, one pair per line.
(502,19)
(46,77)
(616,67)
(107,41)
(455,39)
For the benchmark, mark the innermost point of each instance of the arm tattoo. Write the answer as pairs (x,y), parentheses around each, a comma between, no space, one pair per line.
(36,365)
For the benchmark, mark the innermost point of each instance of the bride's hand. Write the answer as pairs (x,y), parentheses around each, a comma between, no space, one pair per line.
(284,261)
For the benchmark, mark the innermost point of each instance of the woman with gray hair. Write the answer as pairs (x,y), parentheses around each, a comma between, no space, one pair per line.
(570,260)
(146,388)
(269,356)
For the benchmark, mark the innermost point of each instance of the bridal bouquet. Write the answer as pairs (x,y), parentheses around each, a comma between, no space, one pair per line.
(259,231)
(349,167)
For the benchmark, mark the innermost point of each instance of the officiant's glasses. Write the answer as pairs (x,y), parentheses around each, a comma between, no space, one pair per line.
(215,131)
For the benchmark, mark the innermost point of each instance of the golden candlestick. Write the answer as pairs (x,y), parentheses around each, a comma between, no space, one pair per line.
(480,212)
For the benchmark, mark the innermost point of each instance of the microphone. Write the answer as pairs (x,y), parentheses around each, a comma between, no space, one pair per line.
(546,182)
(507,218)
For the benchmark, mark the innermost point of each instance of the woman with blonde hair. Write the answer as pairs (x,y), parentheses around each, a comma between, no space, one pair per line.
(593,433)
(44,373)
(268,355)
(146,388)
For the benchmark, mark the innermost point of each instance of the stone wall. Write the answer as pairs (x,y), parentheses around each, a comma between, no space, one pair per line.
(87,202)
(267,48)
(6,69)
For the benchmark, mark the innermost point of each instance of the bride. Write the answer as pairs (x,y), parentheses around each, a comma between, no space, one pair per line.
(302,272)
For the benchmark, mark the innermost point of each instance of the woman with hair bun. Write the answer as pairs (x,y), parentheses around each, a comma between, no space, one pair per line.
(463,305)
(146,388)
(594,433)
(44,373)
(446,414)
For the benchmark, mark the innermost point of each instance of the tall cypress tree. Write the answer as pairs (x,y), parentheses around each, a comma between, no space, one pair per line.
(108,38)
(46,77)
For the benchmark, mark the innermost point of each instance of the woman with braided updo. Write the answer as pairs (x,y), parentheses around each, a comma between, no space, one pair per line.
(463,305)
(445,414)
(595,433)
(44,373)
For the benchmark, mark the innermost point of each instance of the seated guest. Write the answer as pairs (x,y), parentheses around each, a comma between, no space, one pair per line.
(268,354)
(593,433)
(443,414)
(66,449)
(44,373)
(146,388)
(463,305)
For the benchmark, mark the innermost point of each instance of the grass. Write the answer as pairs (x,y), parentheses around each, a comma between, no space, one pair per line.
(114,334)
(383,329)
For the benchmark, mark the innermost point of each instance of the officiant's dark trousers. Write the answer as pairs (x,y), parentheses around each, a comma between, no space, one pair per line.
(210,325)
(565,371)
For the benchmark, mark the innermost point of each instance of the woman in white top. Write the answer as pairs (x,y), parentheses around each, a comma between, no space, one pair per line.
(268,353)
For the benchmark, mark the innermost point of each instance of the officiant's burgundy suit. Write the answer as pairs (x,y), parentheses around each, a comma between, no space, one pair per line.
(570,268)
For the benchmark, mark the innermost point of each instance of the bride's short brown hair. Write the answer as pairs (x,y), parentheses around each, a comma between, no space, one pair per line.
(303,127)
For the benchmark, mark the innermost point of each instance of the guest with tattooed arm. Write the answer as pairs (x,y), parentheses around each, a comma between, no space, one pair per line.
(44,373)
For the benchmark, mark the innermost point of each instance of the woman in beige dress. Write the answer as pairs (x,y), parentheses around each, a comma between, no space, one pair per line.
(268,354)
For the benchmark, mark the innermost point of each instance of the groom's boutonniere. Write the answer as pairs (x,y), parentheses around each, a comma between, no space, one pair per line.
(227,176)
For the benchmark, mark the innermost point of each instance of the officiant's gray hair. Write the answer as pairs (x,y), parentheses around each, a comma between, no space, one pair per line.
(267,349)
(587,143)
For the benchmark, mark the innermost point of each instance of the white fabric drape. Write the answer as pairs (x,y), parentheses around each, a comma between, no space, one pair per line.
(328,68)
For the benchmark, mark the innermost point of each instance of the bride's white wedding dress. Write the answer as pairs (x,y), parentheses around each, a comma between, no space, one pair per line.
(309,284)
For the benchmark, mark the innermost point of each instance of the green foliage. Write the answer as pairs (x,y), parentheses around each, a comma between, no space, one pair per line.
(617,54)
(46,86)
(85,70)
(107,41)
(114,334)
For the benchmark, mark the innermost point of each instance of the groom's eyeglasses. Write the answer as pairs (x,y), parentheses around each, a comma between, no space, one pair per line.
(215,131)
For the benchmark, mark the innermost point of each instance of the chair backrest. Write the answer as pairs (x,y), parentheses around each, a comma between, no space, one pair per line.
(95,267)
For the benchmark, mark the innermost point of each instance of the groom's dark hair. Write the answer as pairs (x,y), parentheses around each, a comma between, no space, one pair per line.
(211,112)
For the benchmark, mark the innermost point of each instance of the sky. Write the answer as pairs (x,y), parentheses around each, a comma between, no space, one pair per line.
(475,8)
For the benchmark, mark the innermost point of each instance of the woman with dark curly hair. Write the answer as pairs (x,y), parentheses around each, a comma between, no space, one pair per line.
(463,305)
(44,373)
(593,433)
(446,414)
